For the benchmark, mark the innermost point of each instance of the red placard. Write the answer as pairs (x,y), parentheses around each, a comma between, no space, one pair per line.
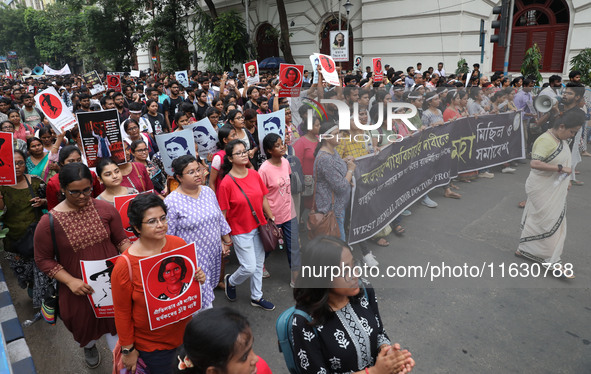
(170,291)
(114,82)
(7,169)
(378,72)
(290,80)
(122,204)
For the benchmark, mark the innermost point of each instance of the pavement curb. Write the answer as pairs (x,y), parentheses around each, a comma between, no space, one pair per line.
(15,356)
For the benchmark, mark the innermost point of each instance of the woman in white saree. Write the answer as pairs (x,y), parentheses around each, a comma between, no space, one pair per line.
(543,223)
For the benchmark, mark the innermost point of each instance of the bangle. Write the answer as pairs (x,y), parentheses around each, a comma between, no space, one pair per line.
(349,171)
(559,168)
(227,243)
(366,370)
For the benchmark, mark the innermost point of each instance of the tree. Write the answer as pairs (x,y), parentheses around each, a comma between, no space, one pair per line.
(284,43)
(14,36)
(582,63)
(223,40)
(530,67)
(462,67)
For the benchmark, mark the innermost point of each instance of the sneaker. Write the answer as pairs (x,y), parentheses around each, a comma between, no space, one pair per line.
(263,304)
(230,290)
(406,213)
(370,260)
(508,169)
(92,357)
(266,273)
(428,202)
(486,174)
(578,183)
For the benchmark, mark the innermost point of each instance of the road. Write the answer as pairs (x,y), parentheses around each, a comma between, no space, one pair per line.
(451,326)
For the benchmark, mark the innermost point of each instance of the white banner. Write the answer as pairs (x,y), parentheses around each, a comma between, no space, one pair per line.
(56,111)
(63,71)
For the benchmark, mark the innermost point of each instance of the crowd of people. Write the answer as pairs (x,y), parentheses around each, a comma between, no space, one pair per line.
(221,202)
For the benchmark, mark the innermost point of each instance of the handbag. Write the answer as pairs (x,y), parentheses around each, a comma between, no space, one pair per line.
(50,305)
(322,223)
(271,235)
(25,246)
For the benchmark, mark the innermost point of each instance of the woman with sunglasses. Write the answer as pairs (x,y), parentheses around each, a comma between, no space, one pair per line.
(195,216)
(21,210)
(156,348)
(84,229)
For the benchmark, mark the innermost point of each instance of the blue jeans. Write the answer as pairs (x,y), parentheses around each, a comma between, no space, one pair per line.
(160,361)
(251,255)
(292,243)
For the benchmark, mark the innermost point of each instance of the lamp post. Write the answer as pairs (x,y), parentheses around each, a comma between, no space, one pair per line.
(348,7)
(340,15)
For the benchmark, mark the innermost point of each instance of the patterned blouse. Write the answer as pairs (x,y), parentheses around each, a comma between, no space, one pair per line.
(347,342)
(330,171)
(201,221)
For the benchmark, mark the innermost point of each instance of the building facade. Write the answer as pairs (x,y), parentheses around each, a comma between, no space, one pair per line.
(404,32)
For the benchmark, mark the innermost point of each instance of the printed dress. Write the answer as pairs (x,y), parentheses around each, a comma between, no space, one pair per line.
(201,221)
(347,342)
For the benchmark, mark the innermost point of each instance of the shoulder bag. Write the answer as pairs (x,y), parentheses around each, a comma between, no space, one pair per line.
(271,235)
(322,223)
(50,305)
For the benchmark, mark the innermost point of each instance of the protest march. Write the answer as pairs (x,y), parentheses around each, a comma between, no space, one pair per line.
(132,200)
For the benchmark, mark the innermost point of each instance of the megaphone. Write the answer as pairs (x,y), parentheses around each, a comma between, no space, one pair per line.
(27,71)
(544,103)
(38,70)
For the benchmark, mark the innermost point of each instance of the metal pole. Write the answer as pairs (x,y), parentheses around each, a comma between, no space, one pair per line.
(339,15)
(508,44)
(246,18)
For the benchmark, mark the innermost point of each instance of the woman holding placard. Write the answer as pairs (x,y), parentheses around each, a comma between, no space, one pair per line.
(148,219)
(84,229)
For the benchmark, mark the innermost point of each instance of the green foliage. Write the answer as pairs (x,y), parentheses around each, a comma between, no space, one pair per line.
(224,41)
(14,36)
(582,63)
(532,61)
(170,28)
(462,69)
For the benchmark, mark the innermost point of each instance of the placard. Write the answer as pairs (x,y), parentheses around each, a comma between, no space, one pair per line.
(92,78)
(97,274)
(182,77)
(56,111)
(378,72)
(205,137)
(114,82)
(7,169)
(315,61)
(122,204)
(101,136)
(357,62)
(273,122)
(290,80)
(173,145)
(339,46)
(329,70)
(170,291)
(251,72)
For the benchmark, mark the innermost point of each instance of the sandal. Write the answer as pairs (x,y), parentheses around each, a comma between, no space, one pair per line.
(382,242)
(454,186)
(522,204)
(399,230)
(452,195)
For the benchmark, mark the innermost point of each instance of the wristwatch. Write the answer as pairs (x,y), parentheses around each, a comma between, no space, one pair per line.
(559,168)
(126,351)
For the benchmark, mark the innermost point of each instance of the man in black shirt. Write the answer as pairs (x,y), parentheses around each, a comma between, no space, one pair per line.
(171,103)
(201,105)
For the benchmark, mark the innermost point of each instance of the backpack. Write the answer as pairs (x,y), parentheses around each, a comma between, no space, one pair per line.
(284,326)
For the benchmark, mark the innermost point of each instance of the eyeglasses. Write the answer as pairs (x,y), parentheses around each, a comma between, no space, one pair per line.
(19,163)
(243,153)
(235,118)
(76,193)
(130,128)
(194,171)
(214,116)
(141,150)
(154,221)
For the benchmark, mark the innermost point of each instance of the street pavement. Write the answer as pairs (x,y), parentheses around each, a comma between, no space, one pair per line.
(461,325)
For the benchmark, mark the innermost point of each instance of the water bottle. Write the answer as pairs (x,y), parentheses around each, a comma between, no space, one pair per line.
(560,178)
